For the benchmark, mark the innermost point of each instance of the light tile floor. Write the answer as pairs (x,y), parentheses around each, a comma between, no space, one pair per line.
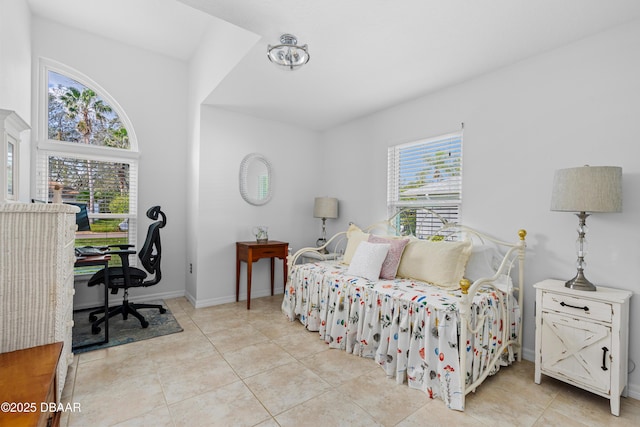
(233,367)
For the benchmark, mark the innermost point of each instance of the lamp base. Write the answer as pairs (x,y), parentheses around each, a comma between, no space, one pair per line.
(321,241)
(580,283)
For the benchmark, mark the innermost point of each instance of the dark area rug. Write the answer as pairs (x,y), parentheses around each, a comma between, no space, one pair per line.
(123,331)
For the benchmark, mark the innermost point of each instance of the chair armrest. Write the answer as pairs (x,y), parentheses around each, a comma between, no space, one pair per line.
(110,252)
(121,246)
(124,256)
(122,253)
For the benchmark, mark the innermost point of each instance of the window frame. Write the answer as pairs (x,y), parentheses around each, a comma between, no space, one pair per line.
(45,147)
(448,207)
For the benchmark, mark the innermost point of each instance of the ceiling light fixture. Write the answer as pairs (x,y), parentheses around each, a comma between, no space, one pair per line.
(288,53)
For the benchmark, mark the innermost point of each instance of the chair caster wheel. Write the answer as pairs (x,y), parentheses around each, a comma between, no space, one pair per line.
(163,310)
(93,318)
(95,330)
(145,324)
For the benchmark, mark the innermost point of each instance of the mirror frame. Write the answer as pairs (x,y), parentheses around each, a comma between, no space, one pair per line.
(244,189)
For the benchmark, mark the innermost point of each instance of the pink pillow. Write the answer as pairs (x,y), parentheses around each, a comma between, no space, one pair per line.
(392,261)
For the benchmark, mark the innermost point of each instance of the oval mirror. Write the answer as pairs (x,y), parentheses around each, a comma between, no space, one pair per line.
(255,179)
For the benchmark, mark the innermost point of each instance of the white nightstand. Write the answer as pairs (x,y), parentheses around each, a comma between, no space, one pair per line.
(582,338)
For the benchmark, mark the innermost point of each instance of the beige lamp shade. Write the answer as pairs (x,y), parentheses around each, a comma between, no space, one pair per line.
(587,189)
(325,207)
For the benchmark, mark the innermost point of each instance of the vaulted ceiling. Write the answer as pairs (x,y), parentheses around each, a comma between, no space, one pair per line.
(366,55)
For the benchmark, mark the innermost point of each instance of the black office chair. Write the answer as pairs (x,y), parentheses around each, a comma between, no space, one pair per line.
(82,217)
(126,277)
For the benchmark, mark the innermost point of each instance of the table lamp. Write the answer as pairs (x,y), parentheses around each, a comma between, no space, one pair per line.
(324,207)
(585,190)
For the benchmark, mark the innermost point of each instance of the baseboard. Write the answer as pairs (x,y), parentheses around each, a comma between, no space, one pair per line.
(201,303)
(117,299)
(190,298)
(529,354)
(212,301)
(633,391)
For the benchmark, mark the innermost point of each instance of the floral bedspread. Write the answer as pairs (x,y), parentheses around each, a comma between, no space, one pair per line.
(409,327)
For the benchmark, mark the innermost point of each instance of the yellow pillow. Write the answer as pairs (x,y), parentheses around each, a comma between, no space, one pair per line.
(440,263)
(354,236)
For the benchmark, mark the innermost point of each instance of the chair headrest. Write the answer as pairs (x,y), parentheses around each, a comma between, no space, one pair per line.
(153,213)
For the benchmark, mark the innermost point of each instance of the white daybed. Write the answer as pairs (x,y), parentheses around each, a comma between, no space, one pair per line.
(412,328)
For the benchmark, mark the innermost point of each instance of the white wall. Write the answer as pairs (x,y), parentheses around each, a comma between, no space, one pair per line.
(226,218)
(572,106)
(211,62)
(15,58)
(151,89)
(15,78)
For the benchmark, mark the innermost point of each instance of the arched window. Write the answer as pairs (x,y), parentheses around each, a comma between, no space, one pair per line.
(86,155)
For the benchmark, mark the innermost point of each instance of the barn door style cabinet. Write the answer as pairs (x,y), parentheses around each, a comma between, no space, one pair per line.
(582,338)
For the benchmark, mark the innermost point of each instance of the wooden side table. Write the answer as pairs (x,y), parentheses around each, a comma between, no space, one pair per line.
(28,384)
(253,251)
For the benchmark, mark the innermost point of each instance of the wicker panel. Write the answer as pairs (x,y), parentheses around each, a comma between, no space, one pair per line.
(36,277)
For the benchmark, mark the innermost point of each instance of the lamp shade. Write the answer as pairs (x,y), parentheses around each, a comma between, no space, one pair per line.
(325,207)
(587,189)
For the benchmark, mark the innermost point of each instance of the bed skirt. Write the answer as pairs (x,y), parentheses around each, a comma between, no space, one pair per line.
(410,328)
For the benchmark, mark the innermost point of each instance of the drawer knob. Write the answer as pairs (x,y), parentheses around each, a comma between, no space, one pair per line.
(604,358)
(564,304)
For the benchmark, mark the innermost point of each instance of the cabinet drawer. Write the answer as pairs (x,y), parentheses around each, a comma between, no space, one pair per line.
(578,307)
(267,252)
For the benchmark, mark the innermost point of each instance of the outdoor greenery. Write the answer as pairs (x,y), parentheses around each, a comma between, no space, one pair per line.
(100,237)
(78,114)
(100,242)
(407,222)
(106,225)
(119,204)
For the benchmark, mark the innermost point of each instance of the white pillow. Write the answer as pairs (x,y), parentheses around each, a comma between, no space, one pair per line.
(483,262)
(354,237)
(367,260)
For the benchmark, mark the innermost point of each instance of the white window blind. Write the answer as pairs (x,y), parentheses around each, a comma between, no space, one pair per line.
(425,174)
(107,186)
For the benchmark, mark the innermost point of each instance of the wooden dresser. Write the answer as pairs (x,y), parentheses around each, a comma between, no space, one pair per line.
(28,386)
(36,278)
